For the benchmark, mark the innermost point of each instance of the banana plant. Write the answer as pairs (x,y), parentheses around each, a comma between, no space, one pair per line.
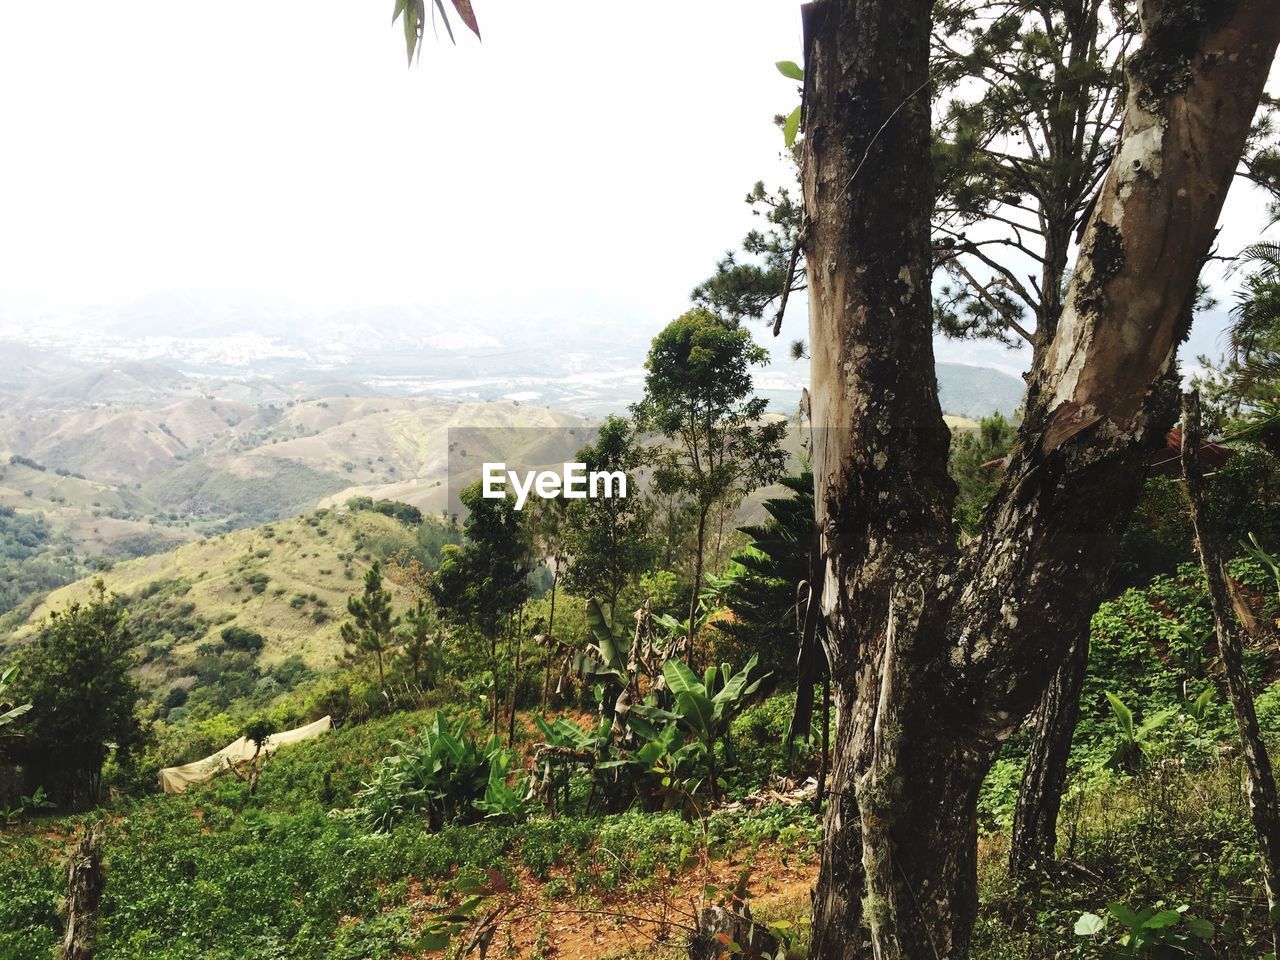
(675,766)
(1130,754)
(1254,549)
(704,708)
(10,712)
(444,773)
(565,749)
(605,656)
(609,659)
(500,800)
(710,601)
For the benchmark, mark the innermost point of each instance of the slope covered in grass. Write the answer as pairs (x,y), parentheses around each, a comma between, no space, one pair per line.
(253,607)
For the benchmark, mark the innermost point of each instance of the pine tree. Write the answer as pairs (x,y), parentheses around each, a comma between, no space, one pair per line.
(370,632)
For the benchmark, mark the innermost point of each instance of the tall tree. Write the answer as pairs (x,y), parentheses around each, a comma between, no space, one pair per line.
(1028,96)
(699,396)
(766,592)
(421,640)
(481,583)
(1224,600)
(370,633)
(608,539)
(76,675)
(938,652)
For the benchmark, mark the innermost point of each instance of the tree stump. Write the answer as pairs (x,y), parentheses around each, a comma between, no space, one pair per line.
(86,879)
(720,929)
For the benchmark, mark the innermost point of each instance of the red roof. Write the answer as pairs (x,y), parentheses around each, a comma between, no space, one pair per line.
(1168,462)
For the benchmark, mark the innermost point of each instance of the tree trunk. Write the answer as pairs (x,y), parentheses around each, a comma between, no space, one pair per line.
(551,632)
(937,654)
(86,879)
(495,699)
(1260,779)
(515,680)
(697,584)
(1035,818)
(810,657)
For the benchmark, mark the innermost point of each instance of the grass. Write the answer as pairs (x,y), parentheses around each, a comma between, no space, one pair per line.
(99,519)
(216,873)
(305,557)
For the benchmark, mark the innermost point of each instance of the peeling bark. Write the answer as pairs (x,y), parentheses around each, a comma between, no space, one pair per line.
(937,655)
(1259,779)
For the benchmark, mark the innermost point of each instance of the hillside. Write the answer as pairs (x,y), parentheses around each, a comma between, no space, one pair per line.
(969,391)
(210,460)
(286,582)
(56,527)
(101,519)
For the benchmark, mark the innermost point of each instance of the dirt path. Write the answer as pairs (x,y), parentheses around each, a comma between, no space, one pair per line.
(652,917)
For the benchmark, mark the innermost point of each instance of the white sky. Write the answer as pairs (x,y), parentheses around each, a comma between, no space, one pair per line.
(587,151)
(590,157)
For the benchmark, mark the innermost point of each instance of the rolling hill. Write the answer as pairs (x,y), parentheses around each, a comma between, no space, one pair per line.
(286,583)
(209,460)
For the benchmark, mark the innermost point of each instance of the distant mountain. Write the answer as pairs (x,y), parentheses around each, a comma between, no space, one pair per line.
(209,460)
(976,392)
(133,382)
(253,351)
(24,366)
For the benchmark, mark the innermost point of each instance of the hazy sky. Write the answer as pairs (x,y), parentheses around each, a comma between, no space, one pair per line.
(589,156)
(587,150)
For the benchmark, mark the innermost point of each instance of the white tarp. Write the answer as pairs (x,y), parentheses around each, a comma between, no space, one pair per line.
(177,779)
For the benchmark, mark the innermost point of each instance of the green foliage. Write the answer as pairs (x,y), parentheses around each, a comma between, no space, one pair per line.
(608,539)
(975,483)
(996,64)
(699,395)
(413,15)
(404,512)
(9,711)
(744,288)
(1149,932)
(705,707)
(422,643)
(76,674)
(32,560)
(259,730)
(1131,750)
(605,656)
(1268,561)
(37,801)
(1243,498)
(443,774)
(238,638)
(763,580)
(482,582)
(370,631)
(703,710)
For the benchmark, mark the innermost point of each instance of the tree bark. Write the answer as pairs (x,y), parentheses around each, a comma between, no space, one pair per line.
(938,654)
(1035,818)
(551,632)
(515,680)
(1259,778)
(697,584)
(86,880)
